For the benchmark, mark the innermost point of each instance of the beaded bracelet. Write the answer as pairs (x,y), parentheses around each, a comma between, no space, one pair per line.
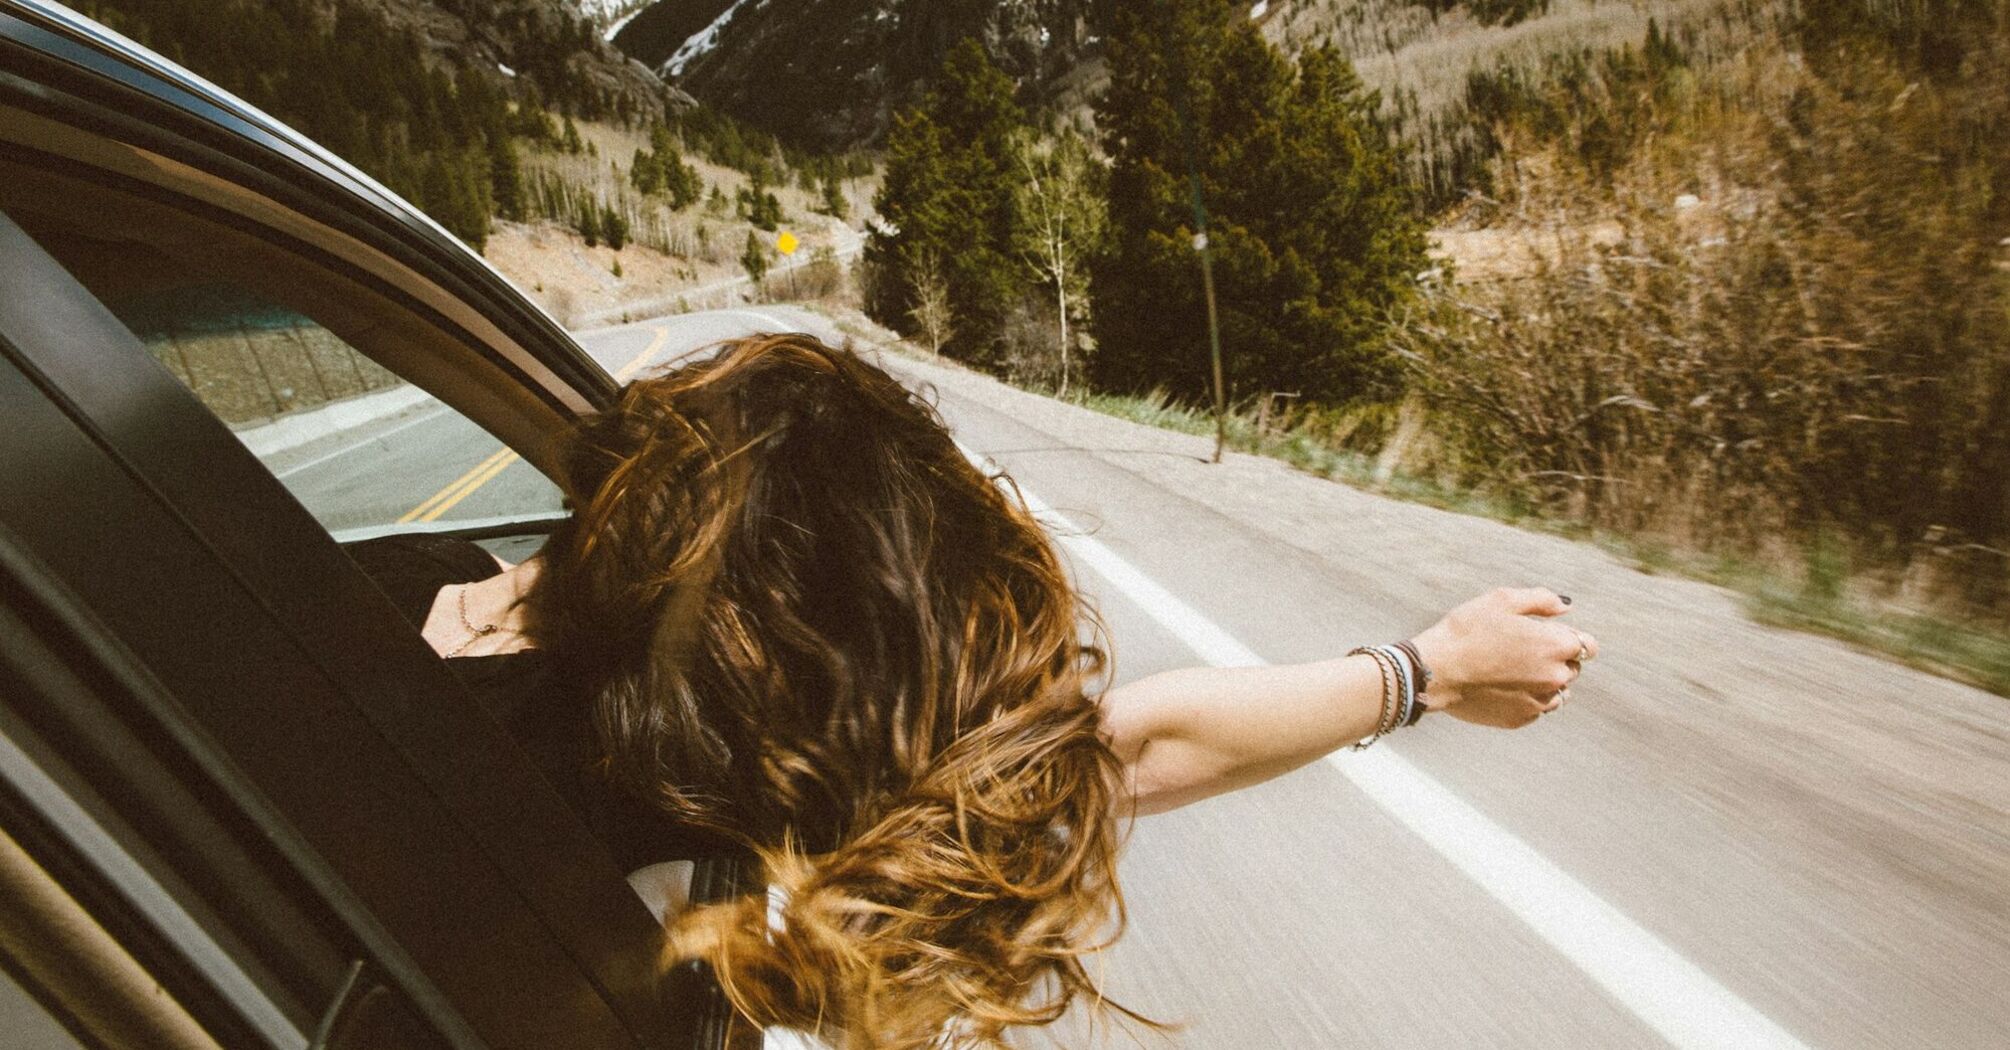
(1406,677)
(1391,708)
(1404,680)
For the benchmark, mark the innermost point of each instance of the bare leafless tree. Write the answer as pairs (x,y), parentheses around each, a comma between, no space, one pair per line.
(930,306)
(1064,218)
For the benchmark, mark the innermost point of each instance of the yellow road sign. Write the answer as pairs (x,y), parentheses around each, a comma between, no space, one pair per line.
(787,243)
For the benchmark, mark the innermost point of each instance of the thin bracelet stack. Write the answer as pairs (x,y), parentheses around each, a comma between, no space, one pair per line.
(1404,680)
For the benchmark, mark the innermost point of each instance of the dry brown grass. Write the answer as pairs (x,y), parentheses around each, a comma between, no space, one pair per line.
(1795,341)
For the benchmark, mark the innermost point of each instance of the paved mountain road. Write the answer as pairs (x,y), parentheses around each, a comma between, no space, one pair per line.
(1733,836)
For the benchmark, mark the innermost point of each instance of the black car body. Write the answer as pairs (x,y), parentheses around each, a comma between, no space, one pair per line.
(218,740)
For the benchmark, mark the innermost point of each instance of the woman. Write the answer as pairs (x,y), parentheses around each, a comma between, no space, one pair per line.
(801,624)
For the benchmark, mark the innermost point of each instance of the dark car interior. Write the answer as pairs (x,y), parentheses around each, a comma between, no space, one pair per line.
(220,745)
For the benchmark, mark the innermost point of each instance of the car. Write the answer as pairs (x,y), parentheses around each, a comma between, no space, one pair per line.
(243,803)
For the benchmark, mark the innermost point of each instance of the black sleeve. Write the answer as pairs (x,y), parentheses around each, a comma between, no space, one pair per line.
(411,569)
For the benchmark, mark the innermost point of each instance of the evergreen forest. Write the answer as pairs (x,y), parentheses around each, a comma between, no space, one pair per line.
(449,136)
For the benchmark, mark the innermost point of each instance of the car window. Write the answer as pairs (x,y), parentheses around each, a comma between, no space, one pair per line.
(361,448)
(296,370)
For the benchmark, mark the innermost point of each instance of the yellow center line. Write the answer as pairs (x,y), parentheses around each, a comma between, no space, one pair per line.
(483,478)
(662,336)
(452,487)
(484,472)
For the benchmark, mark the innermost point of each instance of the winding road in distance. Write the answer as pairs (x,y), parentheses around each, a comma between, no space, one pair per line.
(1732,837)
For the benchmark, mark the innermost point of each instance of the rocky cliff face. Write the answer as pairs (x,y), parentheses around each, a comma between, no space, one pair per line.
(550,41)
(830,73)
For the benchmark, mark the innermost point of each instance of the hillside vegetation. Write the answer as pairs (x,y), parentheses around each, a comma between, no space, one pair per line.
(437,134)
(1748,309)
(1798,336)
(419,95)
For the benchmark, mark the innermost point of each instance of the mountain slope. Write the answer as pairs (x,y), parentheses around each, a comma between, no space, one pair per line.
(549,42)
(656,32)
(830,73)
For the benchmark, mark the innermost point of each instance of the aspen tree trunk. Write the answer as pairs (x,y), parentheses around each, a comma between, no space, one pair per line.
(1061,297)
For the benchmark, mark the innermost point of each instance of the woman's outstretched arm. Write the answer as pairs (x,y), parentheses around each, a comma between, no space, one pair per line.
(1500,660)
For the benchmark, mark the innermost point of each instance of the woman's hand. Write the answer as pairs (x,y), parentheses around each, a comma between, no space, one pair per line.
(1501,660)
(1186,734)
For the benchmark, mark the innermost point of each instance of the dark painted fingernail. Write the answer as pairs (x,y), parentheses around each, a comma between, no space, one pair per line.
(1565,598)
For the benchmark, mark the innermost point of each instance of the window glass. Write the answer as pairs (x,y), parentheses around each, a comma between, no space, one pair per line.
(365,451)
(295,370)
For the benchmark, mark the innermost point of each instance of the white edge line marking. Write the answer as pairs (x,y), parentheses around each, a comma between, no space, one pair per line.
(346,449)
(765,318)
(1673,996)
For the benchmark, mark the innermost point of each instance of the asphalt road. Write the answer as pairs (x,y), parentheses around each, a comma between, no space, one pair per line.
(1733,837)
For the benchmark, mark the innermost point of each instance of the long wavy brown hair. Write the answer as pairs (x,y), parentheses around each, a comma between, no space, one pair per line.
(811,626)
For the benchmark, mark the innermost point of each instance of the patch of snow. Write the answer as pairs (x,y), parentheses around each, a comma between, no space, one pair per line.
(506,71)
(1686,201)
(1257,11)
(702,41)
(620,22)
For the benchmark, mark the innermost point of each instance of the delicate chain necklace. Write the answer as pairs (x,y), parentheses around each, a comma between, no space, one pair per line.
(475,634)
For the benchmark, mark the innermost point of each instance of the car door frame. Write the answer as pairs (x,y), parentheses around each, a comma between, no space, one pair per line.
(443,851)
(515,857)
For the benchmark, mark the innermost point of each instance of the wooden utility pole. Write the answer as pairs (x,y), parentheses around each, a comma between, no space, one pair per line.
(1200,245)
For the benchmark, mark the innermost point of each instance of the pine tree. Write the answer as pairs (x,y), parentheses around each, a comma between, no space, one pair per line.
(448,192)
(613,227)
(505,176)
(661,142)
(754,258)
(1313,233)
(1491,12)
(948,196)
(644,173)
(588,222)
(834,203)
(683,183)
(759,205)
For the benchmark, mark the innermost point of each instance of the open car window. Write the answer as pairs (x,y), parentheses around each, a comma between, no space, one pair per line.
(314,373)
(362,449)
(256,727)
